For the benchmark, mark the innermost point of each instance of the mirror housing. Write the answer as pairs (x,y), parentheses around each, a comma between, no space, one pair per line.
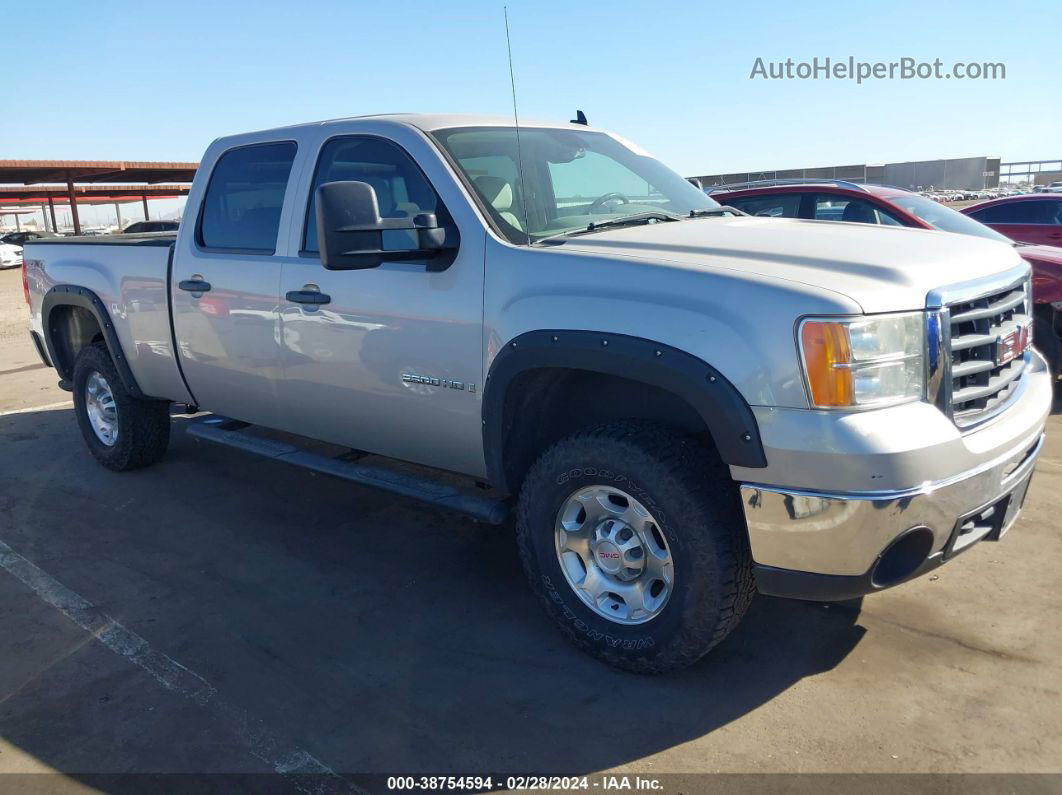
(351,235)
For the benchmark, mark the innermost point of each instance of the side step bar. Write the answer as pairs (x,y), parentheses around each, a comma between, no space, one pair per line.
(229,432)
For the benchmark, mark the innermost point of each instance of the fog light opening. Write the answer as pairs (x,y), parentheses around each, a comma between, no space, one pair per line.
(903,557)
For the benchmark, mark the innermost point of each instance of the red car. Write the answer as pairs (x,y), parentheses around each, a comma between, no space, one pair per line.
(826,200)
(1033,218)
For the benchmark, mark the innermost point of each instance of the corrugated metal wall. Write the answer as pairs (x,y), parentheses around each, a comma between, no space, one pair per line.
(965,173)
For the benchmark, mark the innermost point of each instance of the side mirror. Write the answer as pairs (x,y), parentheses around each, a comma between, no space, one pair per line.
(351,235)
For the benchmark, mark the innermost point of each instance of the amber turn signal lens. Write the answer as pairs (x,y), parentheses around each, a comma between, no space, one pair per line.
(825,345)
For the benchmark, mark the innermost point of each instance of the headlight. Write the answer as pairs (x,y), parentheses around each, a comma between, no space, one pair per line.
(868,361)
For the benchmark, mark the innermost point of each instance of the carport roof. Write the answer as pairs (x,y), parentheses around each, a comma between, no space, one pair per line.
(30,172)
(101,194)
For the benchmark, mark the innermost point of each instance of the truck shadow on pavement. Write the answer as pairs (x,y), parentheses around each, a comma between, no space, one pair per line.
(378,635)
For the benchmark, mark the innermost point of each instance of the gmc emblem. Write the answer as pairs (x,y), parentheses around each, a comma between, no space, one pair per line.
(1011,345)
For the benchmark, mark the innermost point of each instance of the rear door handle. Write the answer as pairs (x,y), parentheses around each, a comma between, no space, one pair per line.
(308,297)
(194,286)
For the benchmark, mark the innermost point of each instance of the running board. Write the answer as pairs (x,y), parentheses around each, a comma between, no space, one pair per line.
(230,433)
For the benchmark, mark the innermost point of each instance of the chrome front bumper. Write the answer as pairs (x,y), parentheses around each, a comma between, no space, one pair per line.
(807,536)
(830,545)
(812,543)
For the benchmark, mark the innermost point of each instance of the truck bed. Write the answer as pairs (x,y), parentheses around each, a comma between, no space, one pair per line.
(129,274)
(145,239)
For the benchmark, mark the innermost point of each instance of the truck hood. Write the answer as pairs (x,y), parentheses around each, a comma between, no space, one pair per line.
(881,268)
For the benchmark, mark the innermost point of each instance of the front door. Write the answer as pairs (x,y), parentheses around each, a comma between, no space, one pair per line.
(225,286)
(392,363)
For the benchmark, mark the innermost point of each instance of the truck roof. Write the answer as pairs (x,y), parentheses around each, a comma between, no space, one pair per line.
(429,122)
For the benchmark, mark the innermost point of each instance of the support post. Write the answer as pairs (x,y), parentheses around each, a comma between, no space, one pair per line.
(118,213)
(51,209)
(143,198)
(73,204)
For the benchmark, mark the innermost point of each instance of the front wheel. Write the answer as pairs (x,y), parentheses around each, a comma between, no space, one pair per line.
(121,431)
(632,537)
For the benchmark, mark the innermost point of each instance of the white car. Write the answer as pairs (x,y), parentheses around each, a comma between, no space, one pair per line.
(10,256)
(1054,187)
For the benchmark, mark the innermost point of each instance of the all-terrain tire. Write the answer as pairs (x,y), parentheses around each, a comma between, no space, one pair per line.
(689,493)
(143,426)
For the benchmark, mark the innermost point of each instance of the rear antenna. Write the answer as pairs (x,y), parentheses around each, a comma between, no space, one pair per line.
(516,123)
(580,118)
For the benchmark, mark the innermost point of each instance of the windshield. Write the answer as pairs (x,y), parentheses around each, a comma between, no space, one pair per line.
(570,179)
(944,218)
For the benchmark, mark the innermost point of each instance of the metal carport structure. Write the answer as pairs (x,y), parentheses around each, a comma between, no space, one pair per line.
(67,181)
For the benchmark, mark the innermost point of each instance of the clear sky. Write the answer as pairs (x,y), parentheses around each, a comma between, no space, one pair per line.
(122,79)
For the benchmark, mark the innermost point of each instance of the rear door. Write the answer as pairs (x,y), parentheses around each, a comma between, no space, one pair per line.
(1034,221)
(225,282)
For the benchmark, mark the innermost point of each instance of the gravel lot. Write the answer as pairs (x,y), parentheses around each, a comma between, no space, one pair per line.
(221,613)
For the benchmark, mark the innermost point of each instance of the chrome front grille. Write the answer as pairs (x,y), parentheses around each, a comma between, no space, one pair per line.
(982,330)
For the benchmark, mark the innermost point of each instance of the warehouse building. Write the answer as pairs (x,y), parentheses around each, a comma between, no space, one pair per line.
(964,173)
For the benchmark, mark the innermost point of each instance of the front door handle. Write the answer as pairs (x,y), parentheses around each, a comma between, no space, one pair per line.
(308,297)
(194,286)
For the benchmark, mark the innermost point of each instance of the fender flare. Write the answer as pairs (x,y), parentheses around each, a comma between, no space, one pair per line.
(725,412)
(83,298)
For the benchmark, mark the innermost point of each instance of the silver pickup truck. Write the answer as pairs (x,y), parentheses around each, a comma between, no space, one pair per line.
(680,404)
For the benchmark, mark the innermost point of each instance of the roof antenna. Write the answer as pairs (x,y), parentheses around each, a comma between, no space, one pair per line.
(580,118)
(516,123)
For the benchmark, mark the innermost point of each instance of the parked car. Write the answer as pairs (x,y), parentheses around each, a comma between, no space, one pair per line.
(1035,218)
(879,204)
(141,227)
(20,238)
(681,404)
(10,256)
(1054,187)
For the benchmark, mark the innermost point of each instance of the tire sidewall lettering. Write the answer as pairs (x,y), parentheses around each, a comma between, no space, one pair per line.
(581,626)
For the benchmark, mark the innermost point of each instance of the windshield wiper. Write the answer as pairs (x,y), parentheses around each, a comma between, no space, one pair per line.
(649,217)
(710,212)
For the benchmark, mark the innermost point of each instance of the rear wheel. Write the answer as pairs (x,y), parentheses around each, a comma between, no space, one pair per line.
(121,431)
(632,537)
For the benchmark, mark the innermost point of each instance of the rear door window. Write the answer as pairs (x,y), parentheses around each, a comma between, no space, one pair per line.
(782,205)
(241,210)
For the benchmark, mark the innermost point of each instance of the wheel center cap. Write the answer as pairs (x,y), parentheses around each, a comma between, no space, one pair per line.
(609,557)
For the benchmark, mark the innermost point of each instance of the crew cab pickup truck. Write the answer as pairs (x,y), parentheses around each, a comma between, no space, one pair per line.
(679,403)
